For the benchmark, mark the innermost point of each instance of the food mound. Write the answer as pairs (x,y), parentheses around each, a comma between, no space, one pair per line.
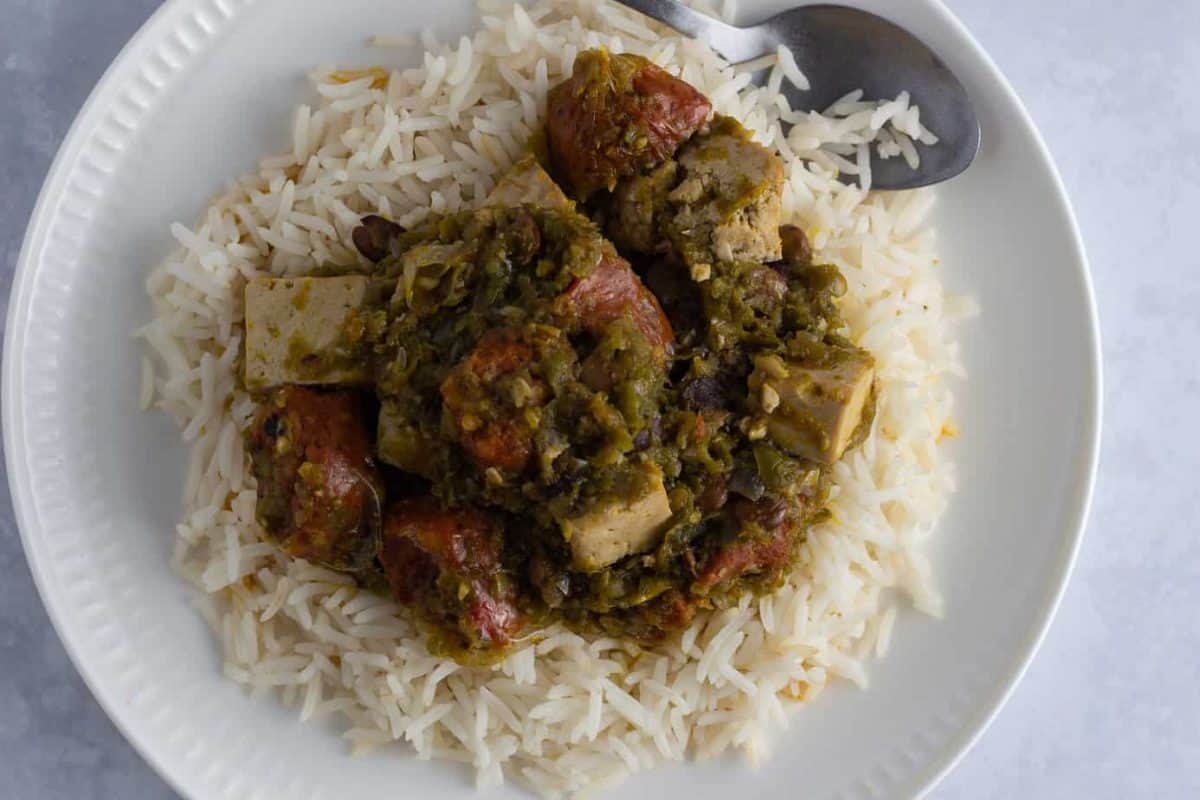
(612,404)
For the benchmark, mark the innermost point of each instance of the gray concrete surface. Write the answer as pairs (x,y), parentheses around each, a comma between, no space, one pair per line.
(1110,708)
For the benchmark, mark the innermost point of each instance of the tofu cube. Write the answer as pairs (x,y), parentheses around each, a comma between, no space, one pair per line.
(528,184)
(305,331)
(728,203)
(626,523)
(815,411)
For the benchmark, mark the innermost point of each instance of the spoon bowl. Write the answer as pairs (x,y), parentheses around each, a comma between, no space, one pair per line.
(841,49)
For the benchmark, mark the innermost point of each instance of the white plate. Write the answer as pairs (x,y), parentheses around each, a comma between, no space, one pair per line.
(203,91)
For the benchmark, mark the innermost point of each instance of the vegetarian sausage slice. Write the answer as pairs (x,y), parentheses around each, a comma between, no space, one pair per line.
(763,547)
(319,492)
(486,395)
(447,563)
(611,291)
(617,115)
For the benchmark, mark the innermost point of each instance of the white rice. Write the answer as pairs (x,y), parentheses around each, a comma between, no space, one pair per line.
(565,713)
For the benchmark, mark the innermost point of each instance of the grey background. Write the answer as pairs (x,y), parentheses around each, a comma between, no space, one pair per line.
(1111,706)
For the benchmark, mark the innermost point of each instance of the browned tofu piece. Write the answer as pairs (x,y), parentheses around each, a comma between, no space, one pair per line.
(305,331)
(727,204)
(528,184)
(632,520)
(816,411)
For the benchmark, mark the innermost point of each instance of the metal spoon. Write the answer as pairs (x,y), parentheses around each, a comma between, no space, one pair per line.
(841,49)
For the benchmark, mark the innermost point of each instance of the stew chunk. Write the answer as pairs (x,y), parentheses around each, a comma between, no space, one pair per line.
(727,204)
(611,291)
(762,548)
(306,331)
(816,409)
(617,115)
(640,206)
(486,394)
(318,489)
(718,201)
(629,521)
(446,563)
(401,443)
(528,184)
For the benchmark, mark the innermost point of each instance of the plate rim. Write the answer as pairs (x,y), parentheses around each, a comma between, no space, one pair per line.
(11,398)
(1085,484)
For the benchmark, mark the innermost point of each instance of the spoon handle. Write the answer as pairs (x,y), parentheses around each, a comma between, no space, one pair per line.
(734,44)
